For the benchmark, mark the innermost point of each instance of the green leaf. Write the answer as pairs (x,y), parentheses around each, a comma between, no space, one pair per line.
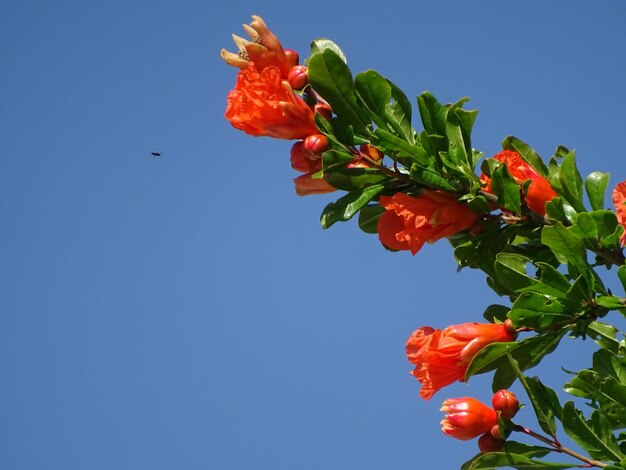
(388,106)
(527,153)
(544,400)
(527,352)
(566,246)
(511,271)
(344,208)
(319,45)
(604,335)
(433,114)
(331,78)
(505,459)
(430,177)
(621,274)
(610,302)
(537,311)
(506,189)
(608,364)
(595,185)
(571,182)
(593,435)
(398,148)
(495,313)
(586,229)
(368,217)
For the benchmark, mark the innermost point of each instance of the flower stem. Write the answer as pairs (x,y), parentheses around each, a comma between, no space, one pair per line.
(556,445)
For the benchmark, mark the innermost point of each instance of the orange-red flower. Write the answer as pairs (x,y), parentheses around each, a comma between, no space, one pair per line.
(619,200)
(262,104)
(306,185)
(264,50)
(539,190)
(409,221)
(467,418)
(441,357)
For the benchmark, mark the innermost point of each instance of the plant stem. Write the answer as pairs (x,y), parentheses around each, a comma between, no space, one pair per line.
(559,448)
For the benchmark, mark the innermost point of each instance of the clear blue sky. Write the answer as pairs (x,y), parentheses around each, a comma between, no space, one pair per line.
(188,312)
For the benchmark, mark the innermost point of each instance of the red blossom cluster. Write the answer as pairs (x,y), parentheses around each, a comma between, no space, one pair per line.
(267,101)
(467,418)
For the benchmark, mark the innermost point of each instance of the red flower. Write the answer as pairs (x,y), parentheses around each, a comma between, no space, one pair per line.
(442,357)
(467,418)
(262,104)
(264,50)
(306,185)
(409,221)
(619,199)
(539,190)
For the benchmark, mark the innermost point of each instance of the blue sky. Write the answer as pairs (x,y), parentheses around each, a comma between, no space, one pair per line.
(188,311)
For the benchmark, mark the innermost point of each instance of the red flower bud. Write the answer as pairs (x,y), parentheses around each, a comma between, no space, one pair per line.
(371,152)
(506,403)
(467,418)
(293,58)
(619,200)
(298,77)
(302,161)
(316,144)
(487,443)
(324,109)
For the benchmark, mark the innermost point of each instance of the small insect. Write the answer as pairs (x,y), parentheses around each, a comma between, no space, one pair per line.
(156,154)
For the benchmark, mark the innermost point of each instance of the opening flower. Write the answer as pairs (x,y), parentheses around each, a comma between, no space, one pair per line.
(441,357)
(619,200)
(410,221)
(264,50)
(262,104)
(467,418)
(539,191)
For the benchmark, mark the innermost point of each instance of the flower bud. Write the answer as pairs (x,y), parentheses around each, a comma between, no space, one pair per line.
(506,403)
(371,152)
(298,77)
(467,418)
(293,58)
(303,162)
(487,443)
(315,144)
(324,109)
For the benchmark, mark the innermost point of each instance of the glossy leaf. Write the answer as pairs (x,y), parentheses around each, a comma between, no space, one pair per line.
(543,399)
(595,185)
(537,311)
(572,182)
(368,217)
(388,106)
(593,435)
(331,78)
(432,113)
(398,148)
(344,208)
(501,459)
(604,335)
(506,189)
(566,246)
(621,274)
(527,352)
(319,45)
(495,313)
